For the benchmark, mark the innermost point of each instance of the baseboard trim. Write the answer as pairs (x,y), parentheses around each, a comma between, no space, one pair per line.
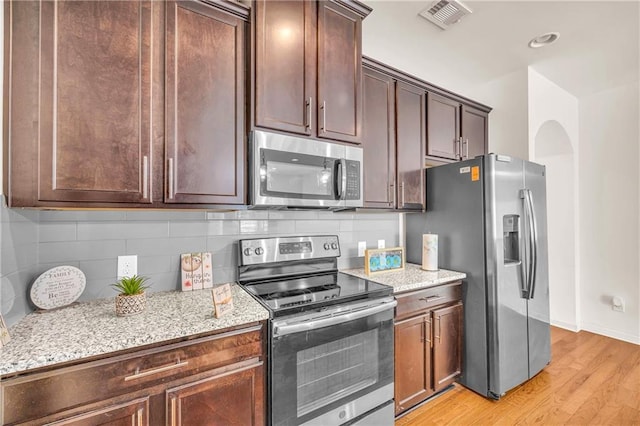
(565,325)
(614,334)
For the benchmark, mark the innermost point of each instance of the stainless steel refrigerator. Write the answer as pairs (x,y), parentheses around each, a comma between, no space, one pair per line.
(490,217)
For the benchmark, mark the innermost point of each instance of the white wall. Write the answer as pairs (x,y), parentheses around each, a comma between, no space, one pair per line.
(507,96)
(609,206)
(553,141)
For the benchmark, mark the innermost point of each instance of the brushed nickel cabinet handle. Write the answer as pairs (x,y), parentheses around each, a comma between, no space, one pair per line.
(309,112)
(145,176)
(140,418)
(324,116)
(439,332)
(402,192)
(466,146)
(431,298)
(145,373)
(428,327)
(170,173)
(174,414)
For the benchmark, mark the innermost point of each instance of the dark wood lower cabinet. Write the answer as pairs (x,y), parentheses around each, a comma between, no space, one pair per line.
(135,413)
(212,380)
(229,398)
(413,361)
(428,343)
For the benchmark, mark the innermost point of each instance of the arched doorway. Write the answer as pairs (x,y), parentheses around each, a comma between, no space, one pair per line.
(553,149)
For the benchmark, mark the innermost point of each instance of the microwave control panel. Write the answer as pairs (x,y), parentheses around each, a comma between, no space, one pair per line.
(353,180)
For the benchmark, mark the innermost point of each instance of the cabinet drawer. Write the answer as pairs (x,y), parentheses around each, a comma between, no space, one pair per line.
(40,394)
(419,300)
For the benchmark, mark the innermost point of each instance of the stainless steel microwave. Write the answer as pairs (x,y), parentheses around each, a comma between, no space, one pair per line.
(287,171)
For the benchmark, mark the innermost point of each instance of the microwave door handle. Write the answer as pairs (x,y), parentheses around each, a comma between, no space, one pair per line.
(341,179)
(343,168)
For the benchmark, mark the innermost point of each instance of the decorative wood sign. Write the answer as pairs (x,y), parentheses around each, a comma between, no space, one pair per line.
(196,271)
(383,260)
(57,287)
(4,333)
(222,300)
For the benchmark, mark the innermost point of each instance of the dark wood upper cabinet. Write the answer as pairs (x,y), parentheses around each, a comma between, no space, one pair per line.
(456,131)
(92,119)
(307,67)
(205,75)
(339,73)
(88,84)
(410,144)
(378,139)
(285,65)
(443,138)
(474,125)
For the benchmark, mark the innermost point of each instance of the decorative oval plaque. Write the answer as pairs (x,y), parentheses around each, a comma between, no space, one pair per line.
(57,287)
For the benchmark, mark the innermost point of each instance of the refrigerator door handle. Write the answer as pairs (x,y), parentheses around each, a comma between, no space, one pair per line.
(533,229)
(531,253)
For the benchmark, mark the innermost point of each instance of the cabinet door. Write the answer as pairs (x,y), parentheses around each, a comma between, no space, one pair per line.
(378,139)
(133,413)
(412,361)
(443,122)
(339,73)
(233,397)
(410,143)
(474,132)
(205,56)
(447,345)
(95,101)
(285,65)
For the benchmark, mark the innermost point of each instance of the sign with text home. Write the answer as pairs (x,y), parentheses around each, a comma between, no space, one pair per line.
(196,271)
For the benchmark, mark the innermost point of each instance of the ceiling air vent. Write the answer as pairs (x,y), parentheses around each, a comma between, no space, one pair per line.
(445,13)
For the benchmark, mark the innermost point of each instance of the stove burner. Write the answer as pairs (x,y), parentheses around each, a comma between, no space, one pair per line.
(299,296)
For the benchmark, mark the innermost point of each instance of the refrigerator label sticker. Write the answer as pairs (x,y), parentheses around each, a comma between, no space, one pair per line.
(475,173)
(465,169)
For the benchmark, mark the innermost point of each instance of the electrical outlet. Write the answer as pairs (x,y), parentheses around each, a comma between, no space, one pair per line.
(381,244)
(617,304)
(127,266)
(362,246)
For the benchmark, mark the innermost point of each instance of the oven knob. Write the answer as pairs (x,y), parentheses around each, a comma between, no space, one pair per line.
(247,251)
(327,246)
(334,246)
(259,251)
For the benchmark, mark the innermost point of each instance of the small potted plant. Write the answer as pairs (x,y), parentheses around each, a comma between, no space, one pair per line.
(132,299)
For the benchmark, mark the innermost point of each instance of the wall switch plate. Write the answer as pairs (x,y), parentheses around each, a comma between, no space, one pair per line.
(362,246)
(127,266)
(381,244)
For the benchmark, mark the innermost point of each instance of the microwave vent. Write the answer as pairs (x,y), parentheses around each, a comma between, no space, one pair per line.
(445,13)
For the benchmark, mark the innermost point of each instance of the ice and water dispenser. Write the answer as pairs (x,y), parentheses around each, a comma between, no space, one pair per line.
(511,231)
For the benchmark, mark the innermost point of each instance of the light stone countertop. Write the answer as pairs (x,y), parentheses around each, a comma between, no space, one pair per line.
(89,329)
(412,277)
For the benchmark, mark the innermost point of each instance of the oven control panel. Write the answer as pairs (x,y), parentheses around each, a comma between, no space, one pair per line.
(278,249)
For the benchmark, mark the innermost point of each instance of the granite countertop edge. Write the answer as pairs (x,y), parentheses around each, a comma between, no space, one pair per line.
(412,277)
(91,329)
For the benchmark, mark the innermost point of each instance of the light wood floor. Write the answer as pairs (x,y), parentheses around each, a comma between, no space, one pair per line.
(591,380)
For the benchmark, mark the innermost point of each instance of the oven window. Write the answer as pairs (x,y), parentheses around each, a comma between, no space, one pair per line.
(299,178)
(331,371)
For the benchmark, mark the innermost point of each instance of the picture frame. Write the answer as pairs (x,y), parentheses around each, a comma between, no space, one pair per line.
(383,260)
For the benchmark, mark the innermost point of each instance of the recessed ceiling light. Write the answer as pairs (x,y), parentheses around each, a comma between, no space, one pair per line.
(543,40)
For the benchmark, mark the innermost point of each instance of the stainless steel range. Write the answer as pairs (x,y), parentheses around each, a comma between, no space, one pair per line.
(331,334)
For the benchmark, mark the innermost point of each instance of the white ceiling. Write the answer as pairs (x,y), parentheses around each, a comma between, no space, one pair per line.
(598,48)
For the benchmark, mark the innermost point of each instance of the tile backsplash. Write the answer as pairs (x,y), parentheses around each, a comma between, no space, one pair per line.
(34,241)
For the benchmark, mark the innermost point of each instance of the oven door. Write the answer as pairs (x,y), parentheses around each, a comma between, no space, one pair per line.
(290,171)
(330,368)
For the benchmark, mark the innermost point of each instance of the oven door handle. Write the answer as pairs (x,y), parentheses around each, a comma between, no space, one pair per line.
(313,324)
